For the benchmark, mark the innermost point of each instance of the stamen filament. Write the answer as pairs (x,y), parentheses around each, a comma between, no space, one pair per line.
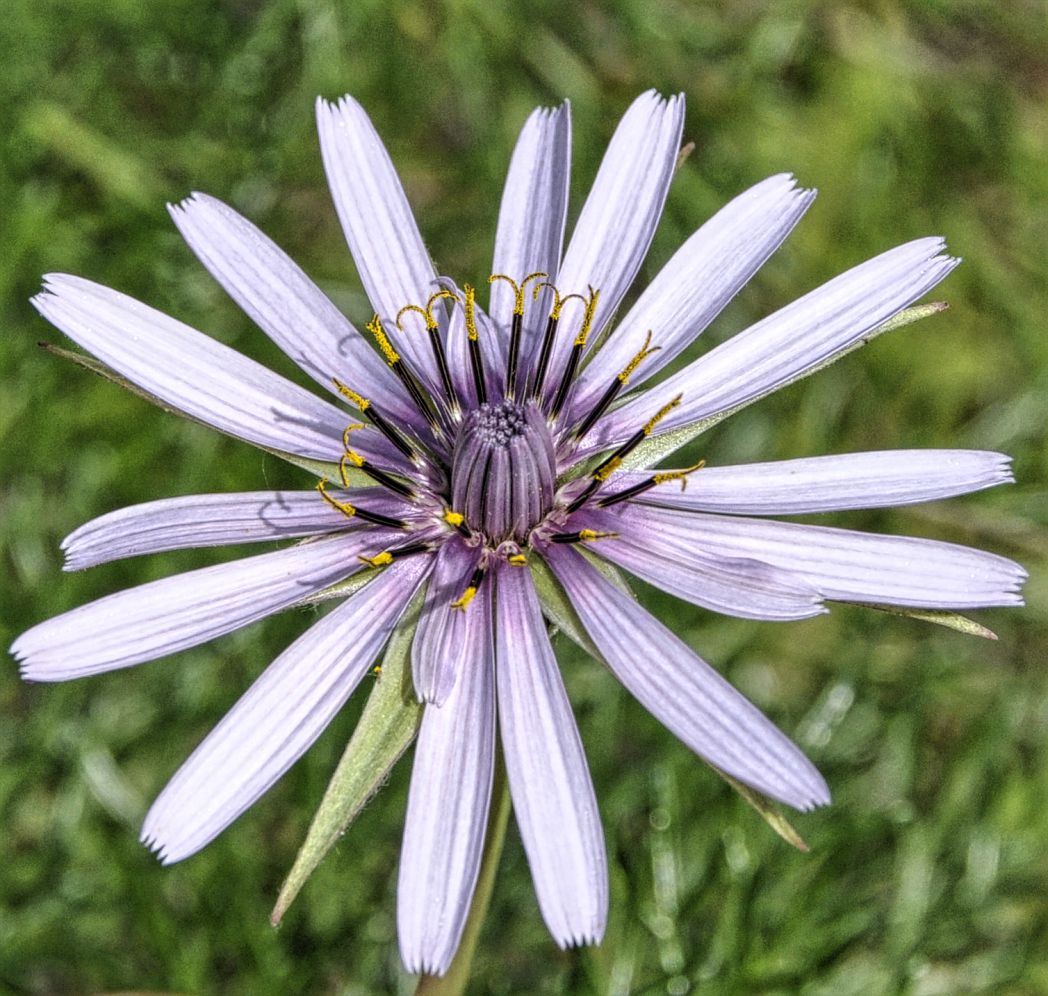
(576,354)
(379,421)
(433,327)
(475,359)
(516,326)
(547,338)
(660,478)
(399,367)
(351,511)
(614,387)
(462,602)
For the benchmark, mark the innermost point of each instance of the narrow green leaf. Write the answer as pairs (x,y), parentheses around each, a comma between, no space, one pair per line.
(455,980)
(940,617)
(386,728)
(769,812)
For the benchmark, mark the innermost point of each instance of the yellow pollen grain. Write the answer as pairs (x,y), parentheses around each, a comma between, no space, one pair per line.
(587,318)
(467,597)
(379,560)
(606,472)
(453,518)
(649,426)
(358,400)
(589,535)
(642,355)
(518,560)
(666,476)
(354,458)
(344,507)
(470,309)
(375,328)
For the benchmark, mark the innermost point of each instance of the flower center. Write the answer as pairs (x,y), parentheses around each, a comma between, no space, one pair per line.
(503,470)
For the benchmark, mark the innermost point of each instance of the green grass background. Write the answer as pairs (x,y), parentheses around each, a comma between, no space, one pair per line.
(929,874)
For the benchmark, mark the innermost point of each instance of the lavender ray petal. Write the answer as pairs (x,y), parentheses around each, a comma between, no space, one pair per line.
(448,808)
(683,692)
(214,520)
(549,780)
(492,341)
(380,229)
(442,630)
(780,348)
(196,374)
(165,616)
(697,283)
(619,218)
(531,221)
(880,479)
(851,566)
(279,717)
(664,554)
(271,288)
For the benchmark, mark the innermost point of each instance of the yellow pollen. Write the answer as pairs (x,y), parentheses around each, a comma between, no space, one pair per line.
(606,472)
(645,351)
(377,670)
(379,560)
(558,301)
(467,597)
(453,518)
(427,311)
(470,309)
(587,318)
(519,289)
(590,535)
(678,475)
(353,457)
(344,507)
(358,400)
(518,560)
(352,427)
(649,427)
(375,328)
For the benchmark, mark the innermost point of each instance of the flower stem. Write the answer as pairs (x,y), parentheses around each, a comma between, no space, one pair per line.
(453,982)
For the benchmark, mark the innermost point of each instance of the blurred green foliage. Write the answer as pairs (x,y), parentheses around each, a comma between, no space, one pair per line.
(929,874)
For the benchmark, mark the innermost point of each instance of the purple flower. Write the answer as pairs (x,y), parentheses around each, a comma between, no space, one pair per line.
(493,458)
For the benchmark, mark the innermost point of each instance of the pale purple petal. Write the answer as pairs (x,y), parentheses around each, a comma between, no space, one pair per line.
(448,808)
(215,520)
(780,348)
(531,221)
(683,692)
(387,248)
(697,283)
(621,213)
(882,479)
(846,565)
(549,780)
(286,304)
(165,616)
(197,375)
(443,630)
(663,554)
(279,717)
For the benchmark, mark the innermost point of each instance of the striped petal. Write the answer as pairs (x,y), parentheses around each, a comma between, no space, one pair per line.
(387,248)
(805,334)
(448,808)
(845,565)
(883,479)
(271,288)
(279,717)
(697,283)
(553,797)
(664,554)
(213,520)
(531,220)
(683,692)
(619,218)
(174,613)
(436,652)
(197,375)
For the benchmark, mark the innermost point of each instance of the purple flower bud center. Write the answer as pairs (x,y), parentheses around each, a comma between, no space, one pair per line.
(503,470)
